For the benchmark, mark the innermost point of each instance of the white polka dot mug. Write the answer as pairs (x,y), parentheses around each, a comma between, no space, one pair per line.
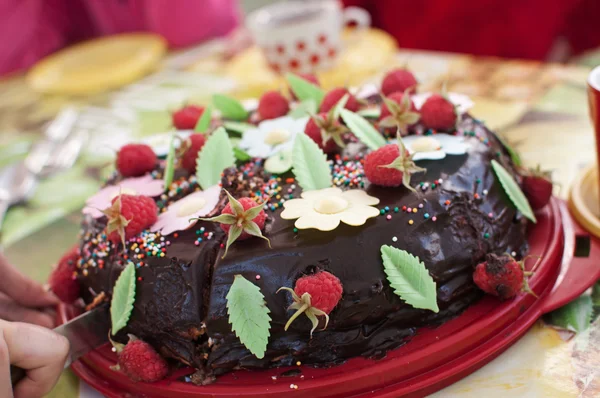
(303,36)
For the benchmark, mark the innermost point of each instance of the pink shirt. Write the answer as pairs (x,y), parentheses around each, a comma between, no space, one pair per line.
(31,29)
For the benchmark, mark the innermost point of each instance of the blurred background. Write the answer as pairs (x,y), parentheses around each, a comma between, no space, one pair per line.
(80,78)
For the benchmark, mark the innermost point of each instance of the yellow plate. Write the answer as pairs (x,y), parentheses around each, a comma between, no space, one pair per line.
(98,65)
(584,202)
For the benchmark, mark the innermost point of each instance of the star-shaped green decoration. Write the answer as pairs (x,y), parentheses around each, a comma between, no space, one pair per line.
(401,115)
(404,163)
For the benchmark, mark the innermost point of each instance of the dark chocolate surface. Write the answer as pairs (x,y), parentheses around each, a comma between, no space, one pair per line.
(180,304)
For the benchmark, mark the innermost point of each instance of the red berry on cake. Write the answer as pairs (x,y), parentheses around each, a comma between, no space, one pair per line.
(326,131)
(187,117)
(398,110)
(537,186)
(391,166)
(309,78)
(128,216)
(134,160)
(62,281)
(315,295)
(272,105)
(398,80)
(438,113)
(140,362)
(502,276)
(192,147)
(241,219)
(334,96)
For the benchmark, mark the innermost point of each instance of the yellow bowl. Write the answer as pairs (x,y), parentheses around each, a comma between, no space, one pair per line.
(98,65)
(584,201)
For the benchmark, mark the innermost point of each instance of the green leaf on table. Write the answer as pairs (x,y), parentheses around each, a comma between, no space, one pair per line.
(305,90)
(575,316)
(215,156)
(170,164)
(513,191)
(249,315)
(204,121)
(280,162)
(363,130)
(409,278)
(123,297)
(230,108)
(310,164)
(241,155)
(237,127)
(370,113)
(303,109)
(514,155)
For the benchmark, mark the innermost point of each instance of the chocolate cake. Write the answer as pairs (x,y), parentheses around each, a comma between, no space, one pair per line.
(458,213)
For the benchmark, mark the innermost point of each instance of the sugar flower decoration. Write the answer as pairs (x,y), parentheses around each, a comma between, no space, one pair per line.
(461,102)
(145,185)
(180,215)
(435,146)
(272,136)
(324,209)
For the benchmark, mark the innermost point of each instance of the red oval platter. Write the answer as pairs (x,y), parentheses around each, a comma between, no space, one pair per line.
(433,359)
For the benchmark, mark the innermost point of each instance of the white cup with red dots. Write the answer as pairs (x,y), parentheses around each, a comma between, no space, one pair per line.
(303,36)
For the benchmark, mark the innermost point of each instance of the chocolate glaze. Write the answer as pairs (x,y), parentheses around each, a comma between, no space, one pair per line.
(180,304)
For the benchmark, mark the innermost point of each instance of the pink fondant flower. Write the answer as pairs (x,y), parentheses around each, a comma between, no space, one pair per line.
(178,214)
(145,185)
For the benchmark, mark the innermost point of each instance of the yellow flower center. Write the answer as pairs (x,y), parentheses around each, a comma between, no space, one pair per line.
(190,206)
(330,205)
(123,191)
(277,136)
(425,144)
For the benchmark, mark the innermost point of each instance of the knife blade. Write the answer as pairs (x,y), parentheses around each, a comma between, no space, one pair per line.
(85,333)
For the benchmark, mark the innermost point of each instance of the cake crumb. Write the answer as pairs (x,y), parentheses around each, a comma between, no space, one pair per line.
(96,302)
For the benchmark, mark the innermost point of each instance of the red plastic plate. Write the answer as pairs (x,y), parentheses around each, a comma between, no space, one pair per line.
(433,359)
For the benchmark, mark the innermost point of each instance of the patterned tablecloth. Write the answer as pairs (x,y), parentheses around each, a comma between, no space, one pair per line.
(539,108)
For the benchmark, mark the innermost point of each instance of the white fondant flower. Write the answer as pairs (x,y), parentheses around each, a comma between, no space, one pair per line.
(145,185)
(178,214)
(435,146)
(462,102)
(272,136)
(324,209)
(160,142)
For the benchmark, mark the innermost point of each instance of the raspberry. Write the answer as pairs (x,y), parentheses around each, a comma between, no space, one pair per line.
(140,362)
(187,117)
(62,281)
(194,143)
(272,105)
(438,113)
(246,203)
(129,215)
(134,160)
(398,80)
(315,295)
(537,187)
(377,170)
(501,276)
(309,78)
(332,129)
(334,96)
(397,97)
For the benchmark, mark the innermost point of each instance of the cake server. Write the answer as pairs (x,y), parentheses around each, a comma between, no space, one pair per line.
(85,333)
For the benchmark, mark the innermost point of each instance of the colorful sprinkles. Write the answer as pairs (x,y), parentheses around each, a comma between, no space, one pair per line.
(348,172)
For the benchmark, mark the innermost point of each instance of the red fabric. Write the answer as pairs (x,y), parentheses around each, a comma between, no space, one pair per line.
(505,28)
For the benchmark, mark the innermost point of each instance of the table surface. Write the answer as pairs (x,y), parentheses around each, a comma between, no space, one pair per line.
(540,108)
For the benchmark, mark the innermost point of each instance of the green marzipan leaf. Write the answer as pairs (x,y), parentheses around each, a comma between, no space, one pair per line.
(370,113)
(237,127)
(241,155)
(230,108)
(310,164)
(123,298)
(363,129)
(305,90)
(575,316)
(409,278)
(215,156)
(511,152)
(513,191)
(304,108)
(204,121)
(170,164)
(249,315)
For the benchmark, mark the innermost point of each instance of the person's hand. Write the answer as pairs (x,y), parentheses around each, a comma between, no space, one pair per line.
(24,300)
(37,350)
